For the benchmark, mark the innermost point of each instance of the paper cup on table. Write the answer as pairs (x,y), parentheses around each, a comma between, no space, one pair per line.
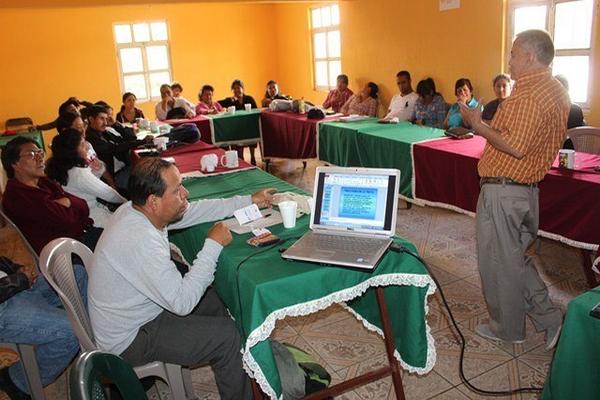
(248,106)
(288,213)
(566,158)
(161,142)
(231,110)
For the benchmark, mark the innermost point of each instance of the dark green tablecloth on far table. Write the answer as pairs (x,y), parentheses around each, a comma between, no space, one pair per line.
(575,370)
(373,145)
(267,288)
(240,128)
(35,135)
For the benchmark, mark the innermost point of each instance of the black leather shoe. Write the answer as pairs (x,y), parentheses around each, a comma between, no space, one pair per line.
(8,387)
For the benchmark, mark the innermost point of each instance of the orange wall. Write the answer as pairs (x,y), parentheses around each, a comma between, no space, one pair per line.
(381,37)
(60,52)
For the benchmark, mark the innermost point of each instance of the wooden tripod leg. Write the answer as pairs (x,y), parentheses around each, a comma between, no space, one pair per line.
(389,344)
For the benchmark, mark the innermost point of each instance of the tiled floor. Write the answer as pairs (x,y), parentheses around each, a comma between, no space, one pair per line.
(447,241)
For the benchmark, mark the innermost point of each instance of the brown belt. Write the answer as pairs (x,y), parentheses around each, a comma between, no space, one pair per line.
(500,180)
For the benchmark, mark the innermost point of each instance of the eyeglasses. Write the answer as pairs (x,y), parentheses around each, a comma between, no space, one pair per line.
(32,154)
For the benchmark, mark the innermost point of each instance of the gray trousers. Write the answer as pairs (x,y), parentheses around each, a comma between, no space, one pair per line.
(507,223)
(207,334)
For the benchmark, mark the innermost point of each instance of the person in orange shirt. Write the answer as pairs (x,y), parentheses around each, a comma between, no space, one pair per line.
(522,142)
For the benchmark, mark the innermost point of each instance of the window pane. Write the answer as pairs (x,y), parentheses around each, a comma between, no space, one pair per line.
(141,32)
(333,43)
(122,34)
(320,45)
(573,24)
(321,73)
(159,31)
(335,15)
(326,16)
(157,79)
(529,18)
(157,57)
(576,70)
(135,84)
(316,18)
(335,69)
(131,60)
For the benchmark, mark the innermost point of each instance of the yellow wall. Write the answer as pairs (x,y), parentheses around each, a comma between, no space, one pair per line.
(55,53)
(59,52)
(381,37)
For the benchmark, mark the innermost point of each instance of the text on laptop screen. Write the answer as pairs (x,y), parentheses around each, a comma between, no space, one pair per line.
(353,201)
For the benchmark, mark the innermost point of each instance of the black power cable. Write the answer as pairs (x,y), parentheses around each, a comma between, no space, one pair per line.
(401,249)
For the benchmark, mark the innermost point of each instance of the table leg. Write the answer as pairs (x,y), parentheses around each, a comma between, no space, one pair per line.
(388,337)
(257,394)
(590,275)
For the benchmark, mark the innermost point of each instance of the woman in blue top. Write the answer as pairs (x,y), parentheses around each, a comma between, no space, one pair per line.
(464,94)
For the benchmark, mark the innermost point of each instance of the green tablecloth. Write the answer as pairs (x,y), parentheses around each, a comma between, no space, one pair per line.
(271,288)
(35,135)
(239,128)
(370,144)
(575,371)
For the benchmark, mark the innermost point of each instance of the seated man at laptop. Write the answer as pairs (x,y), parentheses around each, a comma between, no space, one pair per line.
(140,305)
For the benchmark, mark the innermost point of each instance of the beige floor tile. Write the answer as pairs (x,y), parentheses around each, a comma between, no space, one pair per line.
(465,300)
(452,394)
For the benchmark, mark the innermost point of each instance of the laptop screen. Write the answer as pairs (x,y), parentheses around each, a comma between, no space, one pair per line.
(355,201)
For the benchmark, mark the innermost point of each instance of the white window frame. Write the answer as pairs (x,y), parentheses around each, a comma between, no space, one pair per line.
(313,32)
(146,71)
(550,27)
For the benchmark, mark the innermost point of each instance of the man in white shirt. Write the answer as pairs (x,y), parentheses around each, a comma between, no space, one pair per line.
(140,306)
(402,106)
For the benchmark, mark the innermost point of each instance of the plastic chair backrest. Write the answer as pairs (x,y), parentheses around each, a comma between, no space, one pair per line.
(56,265)
(585,139)
(94,369)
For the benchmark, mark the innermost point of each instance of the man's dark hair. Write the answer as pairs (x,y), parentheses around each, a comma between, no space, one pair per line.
(70,101)
(237,82)
(95,110)
(343,78)
(65,121)
(177,85)
(146,179)
(426,87)
(11,153)
(104,104)
(403,73)
(204,89)
(463,82)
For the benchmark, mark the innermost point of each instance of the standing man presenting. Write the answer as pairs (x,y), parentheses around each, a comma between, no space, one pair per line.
(523,140)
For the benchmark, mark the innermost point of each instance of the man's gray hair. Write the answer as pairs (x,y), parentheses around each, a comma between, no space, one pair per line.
(540,43)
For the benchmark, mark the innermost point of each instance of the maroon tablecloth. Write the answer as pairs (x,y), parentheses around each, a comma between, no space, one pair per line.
(289,135)
(202,122)
(446,175)
(188,161)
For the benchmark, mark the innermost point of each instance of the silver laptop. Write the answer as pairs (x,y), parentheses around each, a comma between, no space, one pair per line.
(354,217)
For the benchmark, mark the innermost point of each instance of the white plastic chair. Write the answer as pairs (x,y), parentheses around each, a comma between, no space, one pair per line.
(57,266)
(585,139)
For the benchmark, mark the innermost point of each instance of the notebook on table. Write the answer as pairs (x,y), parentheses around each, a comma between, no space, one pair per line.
(354,217)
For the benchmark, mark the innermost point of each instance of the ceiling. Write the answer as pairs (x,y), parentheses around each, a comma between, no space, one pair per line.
(96,3)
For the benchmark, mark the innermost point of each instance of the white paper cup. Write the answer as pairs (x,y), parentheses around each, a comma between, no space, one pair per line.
(231,110)
(288,213)
(248,106)
(566,158)
(311,205)
(161,143)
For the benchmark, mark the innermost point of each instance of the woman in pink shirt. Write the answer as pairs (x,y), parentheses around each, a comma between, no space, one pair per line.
(364,102)
(206,104)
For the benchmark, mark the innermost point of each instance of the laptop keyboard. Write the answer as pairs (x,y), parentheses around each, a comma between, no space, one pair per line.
(345,244)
